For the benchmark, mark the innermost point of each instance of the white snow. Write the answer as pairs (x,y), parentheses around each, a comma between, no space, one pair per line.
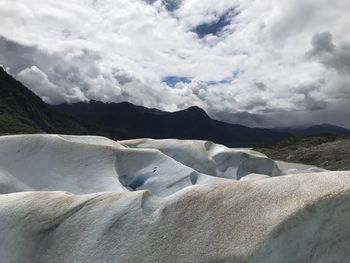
(89,164)
(288,219)
(297,168)
(209,158)
(254,177)
(92,199)
(94,140)
(49,162)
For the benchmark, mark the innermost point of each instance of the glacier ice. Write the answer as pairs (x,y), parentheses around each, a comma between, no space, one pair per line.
(90,199)
(89,164)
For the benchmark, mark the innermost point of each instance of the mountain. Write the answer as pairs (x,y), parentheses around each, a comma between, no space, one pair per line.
(323,129)
(130,121)
(314,130)
(21,111)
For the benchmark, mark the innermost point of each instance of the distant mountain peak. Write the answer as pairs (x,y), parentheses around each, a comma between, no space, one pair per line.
(195,110)
(307,130)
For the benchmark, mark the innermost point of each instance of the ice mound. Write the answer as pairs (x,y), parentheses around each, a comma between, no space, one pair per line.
(50,162)
(89,164)
(299,218)
(209,158)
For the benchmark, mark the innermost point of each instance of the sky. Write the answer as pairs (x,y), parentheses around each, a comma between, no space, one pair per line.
(258,63)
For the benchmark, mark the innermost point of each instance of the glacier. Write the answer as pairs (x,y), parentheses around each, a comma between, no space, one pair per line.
(91,199)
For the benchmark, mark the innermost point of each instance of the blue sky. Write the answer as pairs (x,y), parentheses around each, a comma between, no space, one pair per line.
(217,26)
(173,80)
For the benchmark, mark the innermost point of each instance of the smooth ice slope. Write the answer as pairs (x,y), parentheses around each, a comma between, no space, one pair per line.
(209,158)
(299,218)
(50,162)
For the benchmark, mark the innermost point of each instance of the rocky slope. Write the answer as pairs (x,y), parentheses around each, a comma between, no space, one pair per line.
(329,152)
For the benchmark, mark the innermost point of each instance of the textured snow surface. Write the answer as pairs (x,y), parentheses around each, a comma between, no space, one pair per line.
(299,218)
(165,201)
(88,164)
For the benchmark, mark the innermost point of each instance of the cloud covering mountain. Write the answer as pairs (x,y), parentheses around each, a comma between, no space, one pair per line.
(252,62)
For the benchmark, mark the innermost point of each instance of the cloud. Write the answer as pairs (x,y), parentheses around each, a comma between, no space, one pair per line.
(330,55)
(169,5)
(312,104)
(321,43)
(244,118)
(242,61)
(49,92)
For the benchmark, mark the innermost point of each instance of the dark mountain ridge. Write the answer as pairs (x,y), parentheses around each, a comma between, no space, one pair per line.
(310,130)
(130,121)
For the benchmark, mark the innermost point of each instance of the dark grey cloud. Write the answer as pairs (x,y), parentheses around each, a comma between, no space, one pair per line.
(261,86)
(313,104)
(256,103)
(335,113)
(222,81)
(321,43)
(309,102)
(339,59)
(19,57)
(123,78)
(330,55)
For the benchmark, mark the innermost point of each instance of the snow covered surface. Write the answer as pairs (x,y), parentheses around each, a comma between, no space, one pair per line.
(88,164)
(165,201)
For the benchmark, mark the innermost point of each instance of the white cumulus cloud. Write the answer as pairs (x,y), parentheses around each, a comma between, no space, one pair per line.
(258,60)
